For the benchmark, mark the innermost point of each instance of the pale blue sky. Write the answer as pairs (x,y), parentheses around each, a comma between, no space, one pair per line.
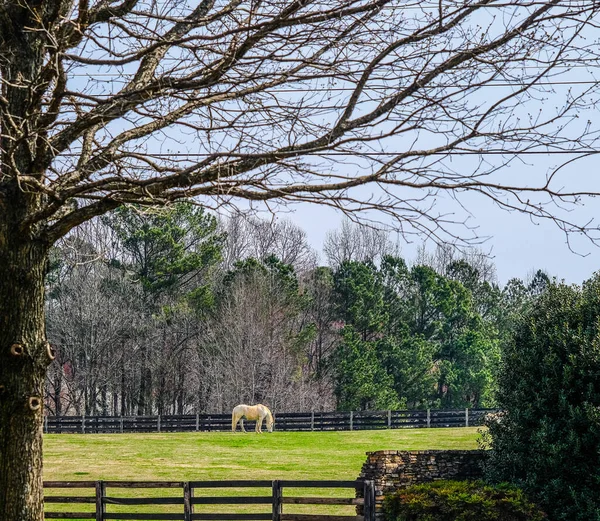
(517,245)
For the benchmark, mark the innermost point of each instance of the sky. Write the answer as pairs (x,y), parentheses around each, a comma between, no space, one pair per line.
(517,246)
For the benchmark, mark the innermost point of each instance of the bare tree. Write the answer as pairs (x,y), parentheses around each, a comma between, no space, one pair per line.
(321,313)
(237,245)
(353,242)
(248,236)
(285,240)
(445,254)
(254,350)
(92,311)
(261,101)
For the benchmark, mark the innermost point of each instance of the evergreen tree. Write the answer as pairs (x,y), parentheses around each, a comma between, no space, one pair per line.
(423,339)
(167,248)
(362,382)
(548,440)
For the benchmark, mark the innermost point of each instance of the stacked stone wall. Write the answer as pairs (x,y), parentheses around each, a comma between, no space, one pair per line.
(391,470)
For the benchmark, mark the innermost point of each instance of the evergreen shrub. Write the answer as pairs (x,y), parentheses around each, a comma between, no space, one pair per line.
(460,501)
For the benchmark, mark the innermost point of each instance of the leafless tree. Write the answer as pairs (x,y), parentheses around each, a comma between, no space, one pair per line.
(253,351)
(114,353)
(321,313)
(445,254)
(237,245)
(106,102)
(249,236)
(91,316)
(353,242)
(284,239)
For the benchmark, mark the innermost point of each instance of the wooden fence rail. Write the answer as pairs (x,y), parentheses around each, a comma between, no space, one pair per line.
(189,506)
(285,421)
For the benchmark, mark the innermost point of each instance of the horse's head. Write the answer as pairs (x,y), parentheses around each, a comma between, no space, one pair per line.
(270,421)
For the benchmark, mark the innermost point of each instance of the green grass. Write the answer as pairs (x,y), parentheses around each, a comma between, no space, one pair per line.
(220,456)
(207,456)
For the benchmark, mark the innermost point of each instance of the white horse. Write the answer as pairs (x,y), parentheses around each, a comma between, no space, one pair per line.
(252,412)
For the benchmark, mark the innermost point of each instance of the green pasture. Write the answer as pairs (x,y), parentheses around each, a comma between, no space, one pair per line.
(225,456)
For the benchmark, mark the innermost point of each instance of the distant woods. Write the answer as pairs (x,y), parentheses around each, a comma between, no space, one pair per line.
(172,311)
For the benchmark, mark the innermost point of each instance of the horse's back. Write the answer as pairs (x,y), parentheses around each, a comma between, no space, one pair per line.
(240,409)
(254,411)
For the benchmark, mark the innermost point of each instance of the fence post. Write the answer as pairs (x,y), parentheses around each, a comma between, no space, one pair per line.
(121,424)
(83,424)
(312,420)
(372,500)
(351,420)
(100,507)
(389,419)
(158,423)
(197,421)
(467,417)
(188,507)
(428,418)
(276,514)
(367,501)
(46,424)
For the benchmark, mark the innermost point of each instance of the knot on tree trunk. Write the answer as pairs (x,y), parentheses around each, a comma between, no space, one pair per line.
(35,403)
(50,352)
(17,349)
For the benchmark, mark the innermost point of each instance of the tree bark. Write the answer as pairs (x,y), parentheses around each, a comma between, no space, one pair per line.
(24,352)
(24,358)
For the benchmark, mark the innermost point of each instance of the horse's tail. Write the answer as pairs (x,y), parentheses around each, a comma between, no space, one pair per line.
(235,417)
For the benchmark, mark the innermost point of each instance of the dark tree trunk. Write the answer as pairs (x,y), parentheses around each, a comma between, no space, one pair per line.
(181,394)
(104,400)
(124,408)
(58,384)
(24,352)
(24,357)
(141,404)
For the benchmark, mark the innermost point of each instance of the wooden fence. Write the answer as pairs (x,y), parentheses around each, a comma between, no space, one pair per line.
(187,505)
(300,421)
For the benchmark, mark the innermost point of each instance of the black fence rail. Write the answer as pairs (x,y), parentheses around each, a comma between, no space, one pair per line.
(297,421)
(189,500)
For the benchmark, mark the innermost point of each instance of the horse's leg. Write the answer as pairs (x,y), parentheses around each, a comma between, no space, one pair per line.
(259,424)
(233,422)
(242,424)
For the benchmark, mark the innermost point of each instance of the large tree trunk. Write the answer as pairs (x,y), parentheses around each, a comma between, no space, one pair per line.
(24,351)
(24,357)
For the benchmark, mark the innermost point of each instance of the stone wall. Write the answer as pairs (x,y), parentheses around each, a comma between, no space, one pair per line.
(394,469)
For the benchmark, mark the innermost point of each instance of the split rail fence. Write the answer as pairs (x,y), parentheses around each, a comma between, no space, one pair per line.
(299,421)
(191,503)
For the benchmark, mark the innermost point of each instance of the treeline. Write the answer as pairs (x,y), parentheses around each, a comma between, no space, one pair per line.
(174,312)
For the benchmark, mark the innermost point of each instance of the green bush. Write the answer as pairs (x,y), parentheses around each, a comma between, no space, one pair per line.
(548,440)
(460,501)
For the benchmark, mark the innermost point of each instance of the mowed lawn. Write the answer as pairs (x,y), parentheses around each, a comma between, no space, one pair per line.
(208,456)
(227,456)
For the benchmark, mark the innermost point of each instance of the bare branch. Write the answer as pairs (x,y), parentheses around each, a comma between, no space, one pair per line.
(297,102)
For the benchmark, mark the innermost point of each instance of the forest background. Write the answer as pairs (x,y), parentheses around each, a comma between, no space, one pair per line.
(175,311)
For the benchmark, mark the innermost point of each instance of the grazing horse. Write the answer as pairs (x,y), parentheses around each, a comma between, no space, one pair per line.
(252,412)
